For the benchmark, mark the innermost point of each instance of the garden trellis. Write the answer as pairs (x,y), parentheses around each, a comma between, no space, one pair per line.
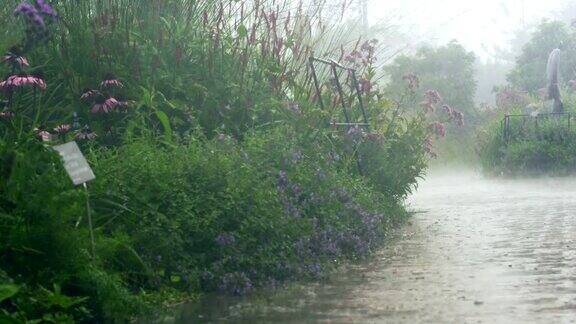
(523,126)
(351,76)
(344,100)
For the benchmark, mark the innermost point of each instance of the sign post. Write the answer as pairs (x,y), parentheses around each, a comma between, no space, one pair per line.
(80,172)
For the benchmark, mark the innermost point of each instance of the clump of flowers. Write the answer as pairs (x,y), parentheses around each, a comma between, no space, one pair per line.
(236,283)
(225,239)
(37,15)
(102,100)
(434,107)
(412,81)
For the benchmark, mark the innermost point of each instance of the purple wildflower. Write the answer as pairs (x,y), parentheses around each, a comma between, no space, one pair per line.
(85,134)
(31,14)
(225,239)
(236,283)
(46,9)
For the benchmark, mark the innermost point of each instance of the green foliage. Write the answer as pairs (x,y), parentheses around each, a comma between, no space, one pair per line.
(447,69)
(533,149)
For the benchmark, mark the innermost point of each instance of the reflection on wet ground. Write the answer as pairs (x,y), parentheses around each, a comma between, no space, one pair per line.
(479,251)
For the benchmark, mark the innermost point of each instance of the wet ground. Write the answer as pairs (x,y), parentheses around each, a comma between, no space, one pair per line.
(477,251)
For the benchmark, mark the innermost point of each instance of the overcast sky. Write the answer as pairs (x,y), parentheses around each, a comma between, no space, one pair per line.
(478,25)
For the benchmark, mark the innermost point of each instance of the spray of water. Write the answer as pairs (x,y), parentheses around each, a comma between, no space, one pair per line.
(552,72)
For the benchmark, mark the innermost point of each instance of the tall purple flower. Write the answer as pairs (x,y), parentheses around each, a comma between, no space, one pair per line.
(46,9)
(31,14)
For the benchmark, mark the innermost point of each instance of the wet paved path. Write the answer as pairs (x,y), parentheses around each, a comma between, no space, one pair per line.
(480,251)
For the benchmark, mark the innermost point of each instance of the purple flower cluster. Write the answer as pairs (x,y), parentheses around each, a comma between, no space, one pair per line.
(290,194)
(37,15)
(225,239)
(236,283)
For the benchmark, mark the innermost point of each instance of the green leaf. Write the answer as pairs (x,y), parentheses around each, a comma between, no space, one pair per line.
(8,291)
(165,121)
(242,31)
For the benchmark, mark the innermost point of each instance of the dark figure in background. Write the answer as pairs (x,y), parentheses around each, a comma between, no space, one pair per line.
(552,73)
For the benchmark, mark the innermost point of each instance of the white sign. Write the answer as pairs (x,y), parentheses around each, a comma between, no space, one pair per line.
(75,163)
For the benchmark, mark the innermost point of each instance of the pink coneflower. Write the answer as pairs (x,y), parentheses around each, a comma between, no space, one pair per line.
(62,129)
(110,82)
(15,60)
(16,81)
(85,134)
(45,136)
(88,94)
(104,105)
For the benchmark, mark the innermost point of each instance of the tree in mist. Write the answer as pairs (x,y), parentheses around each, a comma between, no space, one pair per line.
(529,74)
(448,69)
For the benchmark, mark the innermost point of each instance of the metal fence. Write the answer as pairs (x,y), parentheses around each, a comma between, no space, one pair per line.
(528,127)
